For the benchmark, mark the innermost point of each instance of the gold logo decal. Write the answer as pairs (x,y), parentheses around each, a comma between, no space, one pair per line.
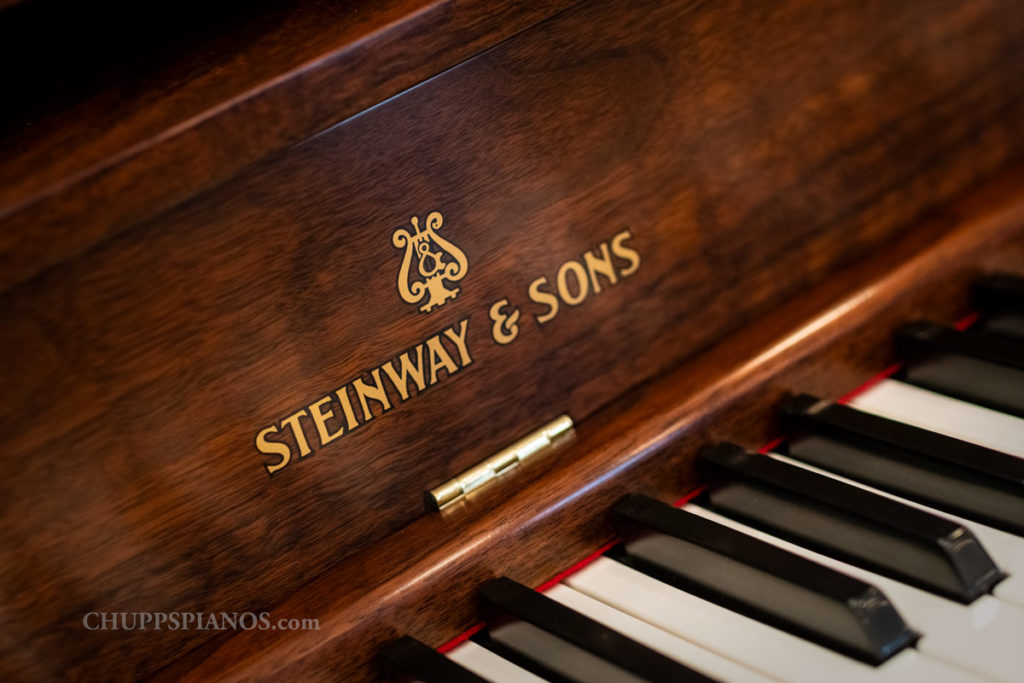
(374,392)
(506,326)
(437,261)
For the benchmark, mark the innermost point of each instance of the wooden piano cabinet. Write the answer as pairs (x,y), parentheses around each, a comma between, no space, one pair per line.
(247,325)
(211,102)
(828,340)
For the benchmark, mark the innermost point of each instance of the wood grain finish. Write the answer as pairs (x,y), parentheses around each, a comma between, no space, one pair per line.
(422,580)
(145,139)
(748,156)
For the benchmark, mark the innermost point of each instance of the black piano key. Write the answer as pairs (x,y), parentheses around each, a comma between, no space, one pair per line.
(849,523)
(941,471)
(560,644)
(756,578)
(407,660)
(1000,292)
(1005,324)
(1001,298)
(982,368)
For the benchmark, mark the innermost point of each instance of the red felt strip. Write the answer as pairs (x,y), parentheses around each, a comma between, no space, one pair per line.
(557,578)
(461,638)
(884,374)
(967,321)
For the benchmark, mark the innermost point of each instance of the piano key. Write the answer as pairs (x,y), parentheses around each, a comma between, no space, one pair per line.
(850,523)
(1005,324)
(704,661)
(757,579)
(984,369)
(490,666)
(551,658)
(1000,292)
(1006,549)
(983,637)
(561,644)
(763,648)
(407,659)
(948,473)
(1001,298)
(933,411)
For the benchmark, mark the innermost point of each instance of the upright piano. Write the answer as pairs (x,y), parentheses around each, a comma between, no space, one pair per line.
(453,340)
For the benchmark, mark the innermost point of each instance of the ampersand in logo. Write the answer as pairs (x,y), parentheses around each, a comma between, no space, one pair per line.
(506,326)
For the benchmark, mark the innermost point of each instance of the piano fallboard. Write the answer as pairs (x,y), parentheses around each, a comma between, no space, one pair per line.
(209,409)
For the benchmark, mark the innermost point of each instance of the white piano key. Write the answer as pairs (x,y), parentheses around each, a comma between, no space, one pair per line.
(683,651)
(1005,549)
(768,650)
(490,666)
(953,417)
(984,637)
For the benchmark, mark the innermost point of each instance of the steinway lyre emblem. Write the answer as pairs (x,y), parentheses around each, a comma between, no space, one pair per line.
(439,264)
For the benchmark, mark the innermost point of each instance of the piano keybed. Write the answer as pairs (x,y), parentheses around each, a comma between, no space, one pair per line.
(881,539)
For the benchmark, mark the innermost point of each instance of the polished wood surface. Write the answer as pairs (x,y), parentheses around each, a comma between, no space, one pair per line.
(215,89)
(749,158)
(827,341)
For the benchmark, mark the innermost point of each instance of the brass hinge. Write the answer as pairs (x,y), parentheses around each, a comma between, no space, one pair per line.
(538,441)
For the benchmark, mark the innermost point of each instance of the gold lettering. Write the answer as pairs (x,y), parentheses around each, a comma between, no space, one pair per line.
(439,356)
(600,264)
(292,421)
(401,381)
(460,341)
(264,445)
(581,280)
(548,299)
(346,407)
(376,393)
(404,372)
(627,253)
(320,419)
